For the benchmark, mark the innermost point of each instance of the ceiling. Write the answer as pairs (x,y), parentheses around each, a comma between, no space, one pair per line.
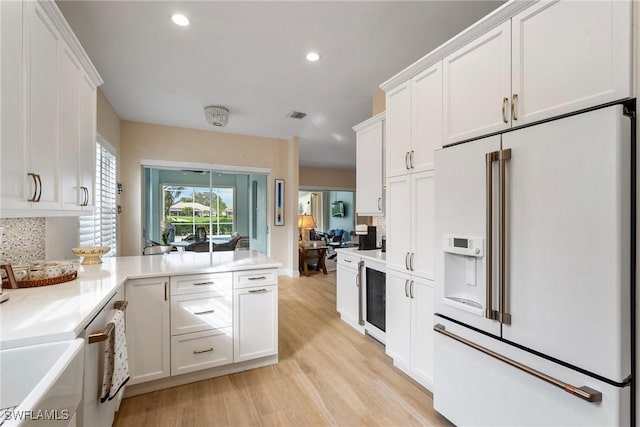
(250,58)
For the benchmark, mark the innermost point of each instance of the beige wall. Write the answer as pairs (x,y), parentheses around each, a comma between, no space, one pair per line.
(108,122)
(140,141)
(327,178)
(378,102)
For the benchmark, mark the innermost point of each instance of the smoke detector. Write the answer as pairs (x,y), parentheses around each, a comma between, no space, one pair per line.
(217,116)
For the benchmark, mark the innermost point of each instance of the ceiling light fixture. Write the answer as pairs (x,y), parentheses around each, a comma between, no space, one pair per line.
(312,56)
(217,116)
(180,19)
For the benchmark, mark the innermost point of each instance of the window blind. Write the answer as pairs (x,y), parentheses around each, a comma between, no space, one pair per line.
(99,229)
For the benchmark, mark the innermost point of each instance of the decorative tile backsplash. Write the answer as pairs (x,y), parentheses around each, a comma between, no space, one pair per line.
(23,240)
(381,228)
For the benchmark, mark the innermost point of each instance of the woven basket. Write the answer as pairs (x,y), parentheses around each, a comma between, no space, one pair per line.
(42,282)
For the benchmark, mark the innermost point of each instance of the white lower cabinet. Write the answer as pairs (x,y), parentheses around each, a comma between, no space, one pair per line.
(201,350)
(187,323)
(409,324)
(148,333)
(348,290)
(255,322)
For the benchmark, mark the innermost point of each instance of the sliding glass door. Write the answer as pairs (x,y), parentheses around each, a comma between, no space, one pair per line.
(205,210)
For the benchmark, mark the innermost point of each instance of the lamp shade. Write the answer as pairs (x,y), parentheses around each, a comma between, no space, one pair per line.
(306,221)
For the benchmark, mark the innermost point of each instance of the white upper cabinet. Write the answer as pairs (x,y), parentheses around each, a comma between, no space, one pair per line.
(369,166)
(569,55)
(398,130)
(553,58)
(42,106)
(426,117)
(477,86)
(48,114)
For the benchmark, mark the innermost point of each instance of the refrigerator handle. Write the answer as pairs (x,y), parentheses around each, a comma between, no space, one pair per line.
(584,392)
(504,317)
(489,313)
(360,291)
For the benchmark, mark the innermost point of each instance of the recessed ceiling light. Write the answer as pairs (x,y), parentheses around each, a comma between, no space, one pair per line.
(180,19)
(312,56)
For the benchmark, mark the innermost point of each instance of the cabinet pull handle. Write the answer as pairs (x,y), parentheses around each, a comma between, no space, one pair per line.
(258,278)
(514,105)
(411,289)
(584,392)
(39,187)
(165,291)
(379,203)
(257,291)
(211,282)
(86,195)
(411,261)
(348,260)
(35,187)
(198,313)
(406,283)
(358,280)
(209,350)
(411,159)
(406,160)
(102,335)
(406,261)
(504,110)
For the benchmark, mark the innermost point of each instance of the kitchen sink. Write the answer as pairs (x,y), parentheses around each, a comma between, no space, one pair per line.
(41,384)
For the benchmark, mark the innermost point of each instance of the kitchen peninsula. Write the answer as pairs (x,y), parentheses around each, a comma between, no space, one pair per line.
(189,316)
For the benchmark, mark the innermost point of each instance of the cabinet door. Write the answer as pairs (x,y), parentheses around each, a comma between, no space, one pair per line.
(14,179)
(255,323)
(398,320)
(422,331)
(477,86)
(426,117)
(68,131)
(398,130)
(148,334)
(398,215)
(421,261)
(369,170)
(87,126)
(347,292)
(569,55)
(42,105)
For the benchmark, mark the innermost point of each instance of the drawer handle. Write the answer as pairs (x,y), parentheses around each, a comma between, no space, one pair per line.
(102,335)
(204,312)
(204,283)
(258,278)
(257,291)
(348,260)
(209,350)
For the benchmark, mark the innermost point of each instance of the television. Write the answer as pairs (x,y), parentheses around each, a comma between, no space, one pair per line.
(337,209)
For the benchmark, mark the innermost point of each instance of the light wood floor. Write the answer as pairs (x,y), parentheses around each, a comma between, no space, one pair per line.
(328,374)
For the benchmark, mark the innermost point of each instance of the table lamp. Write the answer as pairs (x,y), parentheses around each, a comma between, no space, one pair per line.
(305,222)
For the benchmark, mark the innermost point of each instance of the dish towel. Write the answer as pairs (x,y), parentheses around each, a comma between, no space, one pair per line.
(116,361)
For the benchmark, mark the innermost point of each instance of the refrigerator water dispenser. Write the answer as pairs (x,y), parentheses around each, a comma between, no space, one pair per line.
(464,273)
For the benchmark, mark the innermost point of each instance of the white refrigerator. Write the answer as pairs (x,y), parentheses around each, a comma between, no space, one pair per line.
(534,279)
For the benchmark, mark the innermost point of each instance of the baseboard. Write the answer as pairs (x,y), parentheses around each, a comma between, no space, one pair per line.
(287,272)
(205,374)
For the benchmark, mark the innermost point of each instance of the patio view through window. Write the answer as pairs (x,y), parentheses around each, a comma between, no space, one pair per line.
(191,207)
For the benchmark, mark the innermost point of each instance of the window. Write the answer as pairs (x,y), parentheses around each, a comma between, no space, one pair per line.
(99,229)
(191,207)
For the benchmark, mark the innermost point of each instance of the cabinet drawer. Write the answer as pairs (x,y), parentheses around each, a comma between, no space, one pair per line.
(252,278)
(201,350)
(348,259)
(197,283)
(200,312)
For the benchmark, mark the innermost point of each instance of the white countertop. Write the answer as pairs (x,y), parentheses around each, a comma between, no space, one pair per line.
(373,255)
(60,312)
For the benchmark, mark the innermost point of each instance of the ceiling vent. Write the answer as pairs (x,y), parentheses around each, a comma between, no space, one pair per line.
(217,116)
(296,115)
